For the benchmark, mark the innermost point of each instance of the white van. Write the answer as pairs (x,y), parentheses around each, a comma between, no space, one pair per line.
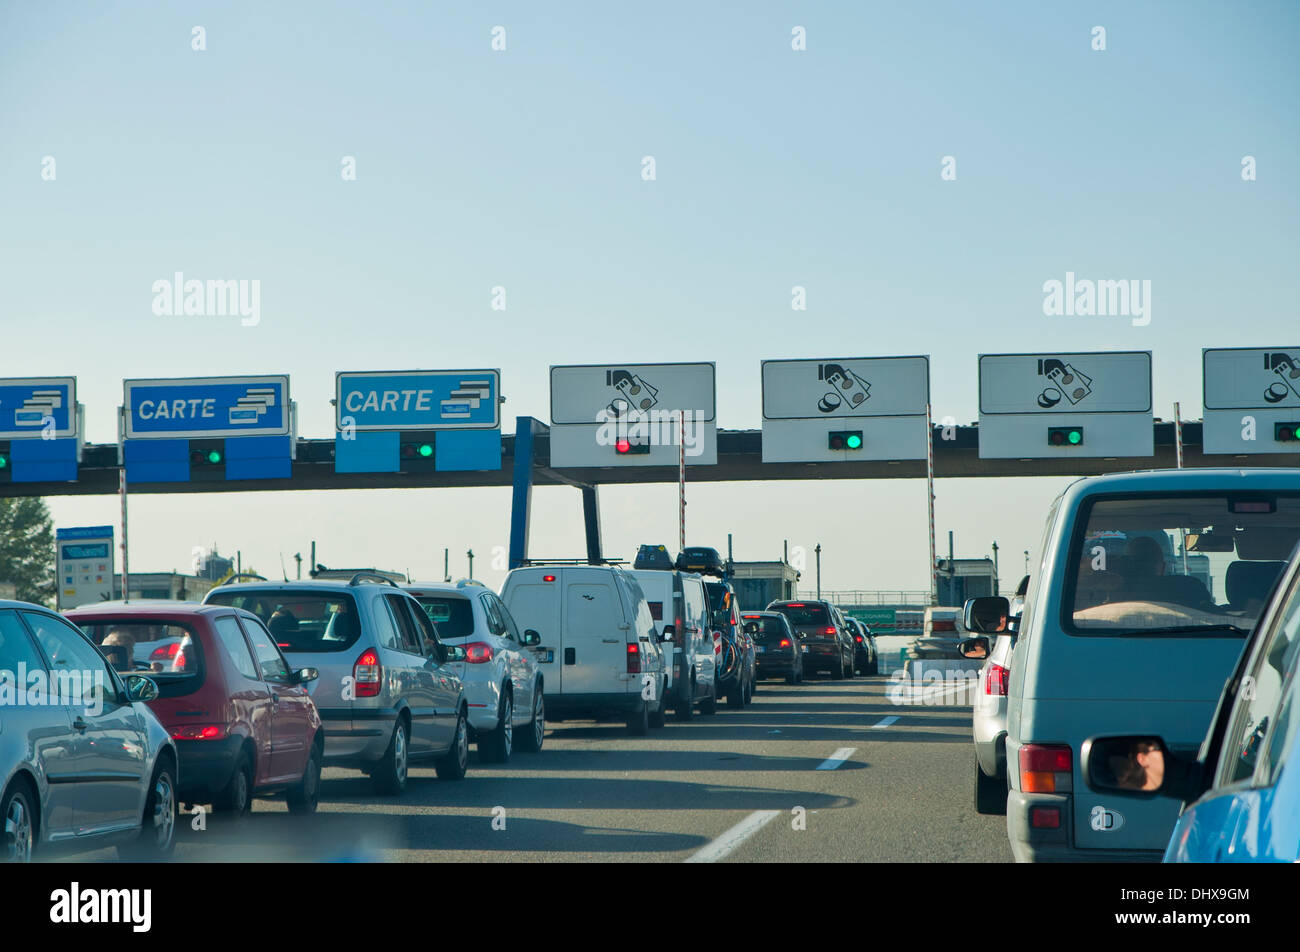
(600,649)
(679,605)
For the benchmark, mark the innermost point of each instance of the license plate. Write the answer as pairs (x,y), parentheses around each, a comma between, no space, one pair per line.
(545,656)
(760,649)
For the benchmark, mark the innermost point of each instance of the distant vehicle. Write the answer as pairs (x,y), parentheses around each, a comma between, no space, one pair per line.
(736,671)
(653,557)
(501,674)
(388,693)
(830,648)
(606,655)
(940,635)
(865,661)
(679,606)
(1114,645)
(96,771)
(259,733)
(1241,792)
(779,649)
(701,559)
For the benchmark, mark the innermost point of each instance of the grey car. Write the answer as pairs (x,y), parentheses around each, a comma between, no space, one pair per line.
(85,764)
(388,693)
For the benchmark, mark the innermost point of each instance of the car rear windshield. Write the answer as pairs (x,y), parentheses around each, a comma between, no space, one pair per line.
(453,614)
(1178,564)
(801,613)
(165,650)
(768,626)
(303,621)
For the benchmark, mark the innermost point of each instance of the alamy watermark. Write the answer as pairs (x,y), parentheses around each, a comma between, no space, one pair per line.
(1084,297)
(655,427)
(63,688)
(212,298)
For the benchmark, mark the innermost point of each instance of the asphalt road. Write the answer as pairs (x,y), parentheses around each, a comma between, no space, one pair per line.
(734,787)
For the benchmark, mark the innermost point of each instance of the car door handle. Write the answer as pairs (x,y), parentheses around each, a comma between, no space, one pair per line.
(79,724)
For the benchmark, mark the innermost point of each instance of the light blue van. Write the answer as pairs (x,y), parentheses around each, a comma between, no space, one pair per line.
(1148,586)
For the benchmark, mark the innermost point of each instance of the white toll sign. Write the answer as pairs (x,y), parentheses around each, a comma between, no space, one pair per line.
(633,414)
(1252,400)
(845,408)
(1046,405)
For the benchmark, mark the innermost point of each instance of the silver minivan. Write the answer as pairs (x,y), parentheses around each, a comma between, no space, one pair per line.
(388,693)
(1148,586)
(679,605)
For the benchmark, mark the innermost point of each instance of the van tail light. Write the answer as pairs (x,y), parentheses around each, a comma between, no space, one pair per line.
(478,652)
(200,732)
(367,674)
(1046,768)
(633,659)
(996,681)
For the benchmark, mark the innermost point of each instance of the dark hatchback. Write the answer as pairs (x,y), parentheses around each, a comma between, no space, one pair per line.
(779,651)
(830,647)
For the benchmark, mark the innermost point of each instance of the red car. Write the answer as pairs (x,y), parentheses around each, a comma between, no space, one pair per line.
(243,721)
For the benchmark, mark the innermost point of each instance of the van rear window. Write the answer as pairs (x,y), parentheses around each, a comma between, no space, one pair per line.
(1178,564)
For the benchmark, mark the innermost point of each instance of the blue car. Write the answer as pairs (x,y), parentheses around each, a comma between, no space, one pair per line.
(1242,792)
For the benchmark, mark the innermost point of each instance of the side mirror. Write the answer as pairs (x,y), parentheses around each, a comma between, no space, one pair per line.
(987,614)
(977,648)
(454,652)
(1138,764)
(305,675)
(140,688)
(530,638)
(668,633)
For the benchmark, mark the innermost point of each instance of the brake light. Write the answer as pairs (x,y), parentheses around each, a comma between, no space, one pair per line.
(1046,768)
(785,643)
(858,639)
(830,630)
(633,659)
(199,732)
(478,653)
(795,605)
(367,673)
(997,680)
(1045,818)
(548,578)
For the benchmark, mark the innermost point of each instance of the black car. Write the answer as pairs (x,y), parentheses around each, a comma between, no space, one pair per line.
(829,644)
(701,559)
(864,647)
(735,674)
(778,650)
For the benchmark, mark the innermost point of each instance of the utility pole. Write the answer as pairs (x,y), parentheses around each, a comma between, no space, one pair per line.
(446,565)
(995,566)
(1026,561)
(818,550)
(470,553)
(297,557)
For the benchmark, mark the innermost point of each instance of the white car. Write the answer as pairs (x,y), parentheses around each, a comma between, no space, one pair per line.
(503,681)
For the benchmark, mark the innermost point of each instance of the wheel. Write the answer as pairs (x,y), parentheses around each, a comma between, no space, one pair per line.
(736,693)
(531,739)
(753,689)
(495,746)
(20,831)
(659,714)
(236,797)
(158,824)
(838,673)
(304,796)
(710,704)
(990,794)
(453,764)
(792,677)
(390,773)
(638,722)
(685,706)
(874,667)
(848,669)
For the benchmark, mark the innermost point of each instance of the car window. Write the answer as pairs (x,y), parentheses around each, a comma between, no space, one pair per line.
(16,647)
(408,640)
(386,634)
(145,645)
(1177,563)
(1258,699)
(300,619)
(770,627)
(494,622)
(802,613)
(77,670)
(237,650)
(452,614)
(269,660)
(428,629)
(512,630)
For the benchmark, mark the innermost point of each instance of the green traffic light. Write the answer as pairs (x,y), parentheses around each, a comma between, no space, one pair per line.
(4,461)
(1076,437)
(426,450)
(854,441)
(214,456)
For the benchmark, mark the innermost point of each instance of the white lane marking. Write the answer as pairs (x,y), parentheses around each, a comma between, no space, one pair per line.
(837,758)
(881,724)
(728,841)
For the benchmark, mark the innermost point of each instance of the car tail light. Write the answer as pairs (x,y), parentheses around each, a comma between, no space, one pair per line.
(1046,768)
(785,643)
(633,659)
(996,681)
(200,732)
(478,652)
(1045,818)
(795,605)
(367,674)
(943,625)
(858,639)
(830,630)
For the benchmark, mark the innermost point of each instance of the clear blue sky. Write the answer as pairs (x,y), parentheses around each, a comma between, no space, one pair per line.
(522,169)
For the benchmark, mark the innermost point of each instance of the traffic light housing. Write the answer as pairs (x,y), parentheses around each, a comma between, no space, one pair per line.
(207,459)
(844,440)
(627,446)
(6,463)
(1286,432)
(417,453)
(1065,436)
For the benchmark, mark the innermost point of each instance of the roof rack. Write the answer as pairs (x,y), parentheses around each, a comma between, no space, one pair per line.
(238,576)
(462,583)
(573,562)
(359,578)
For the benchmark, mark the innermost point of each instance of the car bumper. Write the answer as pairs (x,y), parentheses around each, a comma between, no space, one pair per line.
(1031,845)
(484,700)
(990,744)
(356,735)
(205,766)
(768,666)
(594,706)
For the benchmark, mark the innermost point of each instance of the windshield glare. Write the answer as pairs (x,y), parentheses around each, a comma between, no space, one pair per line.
(1179,563)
